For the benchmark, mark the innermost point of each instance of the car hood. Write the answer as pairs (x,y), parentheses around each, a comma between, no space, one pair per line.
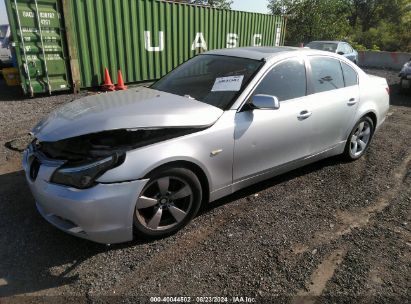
(135,108)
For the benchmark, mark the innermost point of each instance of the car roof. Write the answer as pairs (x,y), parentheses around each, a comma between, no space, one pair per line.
(264,52)
(327,41)
(253,52)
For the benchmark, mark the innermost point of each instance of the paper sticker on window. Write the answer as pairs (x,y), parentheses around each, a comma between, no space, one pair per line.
(229,83)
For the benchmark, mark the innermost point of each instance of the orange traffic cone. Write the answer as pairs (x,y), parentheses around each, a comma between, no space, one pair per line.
(120,83)
(107,85)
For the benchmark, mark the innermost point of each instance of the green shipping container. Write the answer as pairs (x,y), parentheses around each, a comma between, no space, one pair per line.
(145,39)
(40,50)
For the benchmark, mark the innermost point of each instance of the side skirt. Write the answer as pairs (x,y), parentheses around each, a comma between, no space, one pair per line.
(250,180)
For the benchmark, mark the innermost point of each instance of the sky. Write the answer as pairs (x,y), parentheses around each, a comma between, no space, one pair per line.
(258,6)
(3,14)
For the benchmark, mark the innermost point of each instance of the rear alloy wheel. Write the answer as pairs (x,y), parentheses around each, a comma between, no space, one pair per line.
(359,139)
(402,89)
(167,203)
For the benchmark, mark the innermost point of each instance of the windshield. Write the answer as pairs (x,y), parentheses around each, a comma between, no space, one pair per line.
(323,46)
(212,79)
(3,31)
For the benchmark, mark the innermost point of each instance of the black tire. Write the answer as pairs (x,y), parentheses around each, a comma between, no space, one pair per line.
(401,89)
(175,175)
(348,151)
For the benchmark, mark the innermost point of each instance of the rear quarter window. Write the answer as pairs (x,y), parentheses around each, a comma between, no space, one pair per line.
(350,75)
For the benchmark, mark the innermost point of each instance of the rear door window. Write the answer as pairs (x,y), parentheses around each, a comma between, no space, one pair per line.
(286,80)
(326,74)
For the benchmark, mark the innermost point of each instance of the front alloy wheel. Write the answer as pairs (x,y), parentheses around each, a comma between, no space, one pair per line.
(359,139)
(168,202)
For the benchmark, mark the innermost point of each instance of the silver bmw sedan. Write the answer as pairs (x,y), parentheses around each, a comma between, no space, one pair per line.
(142,161)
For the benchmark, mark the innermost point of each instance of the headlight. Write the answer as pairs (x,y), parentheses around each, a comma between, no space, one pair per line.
(84,176)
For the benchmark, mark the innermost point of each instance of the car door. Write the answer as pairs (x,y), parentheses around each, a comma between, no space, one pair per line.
(267,138)
(333,103)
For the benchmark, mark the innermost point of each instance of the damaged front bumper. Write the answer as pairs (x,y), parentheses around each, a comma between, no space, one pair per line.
(102,213)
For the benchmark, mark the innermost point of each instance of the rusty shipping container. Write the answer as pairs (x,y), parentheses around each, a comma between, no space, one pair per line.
(65,44)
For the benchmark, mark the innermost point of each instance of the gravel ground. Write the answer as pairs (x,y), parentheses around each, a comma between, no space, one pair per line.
(331,232)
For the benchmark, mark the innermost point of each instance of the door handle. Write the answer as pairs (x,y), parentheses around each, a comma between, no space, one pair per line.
(304,114)
(352,101)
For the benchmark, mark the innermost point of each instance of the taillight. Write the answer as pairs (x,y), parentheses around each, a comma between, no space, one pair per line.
(388,90)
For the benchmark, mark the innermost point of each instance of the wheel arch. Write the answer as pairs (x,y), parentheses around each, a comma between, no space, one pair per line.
(195,168)
(373,117)
(369,113)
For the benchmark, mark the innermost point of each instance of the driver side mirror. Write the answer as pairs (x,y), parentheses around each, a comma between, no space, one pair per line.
(268,102)
(340,53)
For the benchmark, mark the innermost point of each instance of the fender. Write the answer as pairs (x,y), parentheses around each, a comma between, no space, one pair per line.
(209,149)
